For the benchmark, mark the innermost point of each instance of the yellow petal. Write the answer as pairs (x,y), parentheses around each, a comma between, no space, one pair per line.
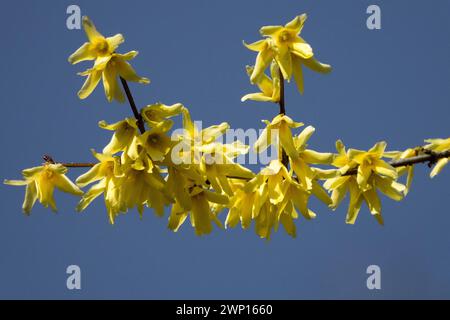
(270,30)
(83,53)
(284,61)
(338,195)
(288,224)
(385,169)
(303,137)
(298,73)
(321,194)
(286,140)
(257,97)
(90,84)
(364,173)
(64,184)
(390,188)
(16,182)
(211,133)
(314,157)
(95,191)
(91,32)
(438,167)
(297,23)
(232,218)
(256,46)
(127,72)
(317,66)
(91,176)
(177,217)
(263,59)
(302,50)
(200,215)
(115,41)
(355,204)
(111,86)
(31,195)
(373,201)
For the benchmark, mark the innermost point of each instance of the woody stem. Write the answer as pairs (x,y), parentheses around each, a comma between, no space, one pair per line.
(136,113)
(284,157)
(427,156)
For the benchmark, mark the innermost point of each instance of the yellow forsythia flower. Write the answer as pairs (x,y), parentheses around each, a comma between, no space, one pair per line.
(141,185)
(289,50)
(270,88)
(372,174)
(270,198)
(98,46)
(438,145)
(108,65)
(200,210)
(278,130)
(156,113)
(109,69)
(124,133)
(40,183)
(303,157)
(154,142)
(107,174)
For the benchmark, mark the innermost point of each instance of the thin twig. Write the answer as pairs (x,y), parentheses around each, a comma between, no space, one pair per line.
(137,115)
(78,164)
(284,156)
(430,157)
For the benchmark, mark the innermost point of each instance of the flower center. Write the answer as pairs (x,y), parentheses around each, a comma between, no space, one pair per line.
(284,36)
(48,174)
(153,139)
(102,47)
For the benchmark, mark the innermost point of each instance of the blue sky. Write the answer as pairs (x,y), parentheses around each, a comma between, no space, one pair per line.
(390,84)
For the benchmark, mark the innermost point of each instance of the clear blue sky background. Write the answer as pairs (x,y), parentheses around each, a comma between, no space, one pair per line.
(391,84)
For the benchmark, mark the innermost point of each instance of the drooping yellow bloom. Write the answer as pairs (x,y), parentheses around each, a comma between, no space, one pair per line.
(372,174)
(278,131)
(192,142)
(155,142)
(289,50)
(124,133)
(201,210)
(371,162)
(438,145)
(199,171)
(156,113)
(108,65)
(98,46)
(107,174)
(266,53)
(110,68)
(270,198)
(217,165)
(300,162)
(40,183)
(141,185)
(270,88)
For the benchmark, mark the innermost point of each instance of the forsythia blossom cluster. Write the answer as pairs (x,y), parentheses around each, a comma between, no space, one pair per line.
(198,176)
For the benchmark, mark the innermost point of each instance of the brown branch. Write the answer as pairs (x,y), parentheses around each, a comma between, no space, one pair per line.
(284,157)
(428,156)
(78,164)
(136,113)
